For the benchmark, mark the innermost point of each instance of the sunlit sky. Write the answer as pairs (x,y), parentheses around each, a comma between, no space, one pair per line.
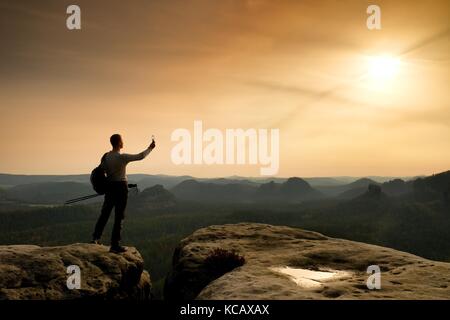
(309,68)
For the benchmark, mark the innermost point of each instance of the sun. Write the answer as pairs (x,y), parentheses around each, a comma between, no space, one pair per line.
(383,67)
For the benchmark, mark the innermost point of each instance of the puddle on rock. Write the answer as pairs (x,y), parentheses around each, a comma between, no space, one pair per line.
(311,279)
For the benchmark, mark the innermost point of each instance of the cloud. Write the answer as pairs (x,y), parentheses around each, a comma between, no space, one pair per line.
(425,41)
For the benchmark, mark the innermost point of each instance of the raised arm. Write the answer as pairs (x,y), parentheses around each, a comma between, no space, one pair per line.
(136,157)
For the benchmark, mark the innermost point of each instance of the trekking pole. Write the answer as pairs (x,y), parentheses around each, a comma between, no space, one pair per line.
(82,198)
(95,195)
(130,185)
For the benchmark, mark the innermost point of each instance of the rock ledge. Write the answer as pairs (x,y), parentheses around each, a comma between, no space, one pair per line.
(265,247)
(33,272)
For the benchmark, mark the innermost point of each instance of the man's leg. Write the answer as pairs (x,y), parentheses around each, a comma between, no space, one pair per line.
(108,204)
(121,204)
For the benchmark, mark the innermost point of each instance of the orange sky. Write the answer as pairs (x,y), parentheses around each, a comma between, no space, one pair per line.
(149,67)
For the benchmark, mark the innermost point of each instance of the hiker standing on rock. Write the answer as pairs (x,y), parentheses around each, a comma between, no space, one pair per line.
(114,163)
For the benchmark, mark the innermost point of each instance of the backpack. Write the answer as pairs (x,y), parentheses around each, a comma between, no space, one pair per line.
(98,178)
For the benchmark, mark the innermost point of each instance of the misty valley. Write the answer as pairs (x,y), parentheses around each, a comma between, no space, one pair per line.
(410,214)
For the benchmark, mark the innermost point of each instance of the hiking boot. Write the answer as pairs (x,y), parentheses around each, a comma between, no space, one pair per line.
(117,249)
(95,241)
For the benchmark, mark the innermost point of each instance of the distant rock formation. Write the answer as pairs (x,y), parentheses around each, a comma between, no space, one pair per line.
(155,197)
(374,190)
(433,187)
(396,187)
(268,249)
(355,189)
(373,193)
(33,272)
(293,189)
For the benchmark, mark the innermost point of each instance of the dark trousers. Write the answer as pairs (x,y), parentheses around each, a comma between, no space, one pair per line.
(116,196)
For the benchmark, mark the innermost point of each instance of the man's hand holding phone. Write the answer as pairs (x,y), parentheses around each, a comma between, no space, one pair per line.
(152,145)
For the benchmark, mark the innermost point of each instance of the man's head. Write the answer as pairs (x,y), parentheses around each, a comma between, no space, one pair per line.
(116,141)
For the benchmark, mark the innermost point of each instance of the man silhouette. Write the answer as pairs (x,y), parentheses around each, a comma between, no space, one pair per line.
(114,163)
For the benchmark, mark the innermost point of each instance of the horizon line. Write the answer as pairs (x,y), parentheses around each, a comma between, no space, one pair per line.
(232,176)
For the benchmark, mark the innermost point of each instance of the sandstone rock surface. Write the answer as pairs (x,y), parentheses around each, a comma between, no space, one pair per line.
(268,247)
(33,272)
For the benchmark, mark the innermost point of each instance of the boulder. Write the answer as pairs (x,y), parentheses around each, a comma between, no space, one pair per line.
(289,263)
(33,272)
